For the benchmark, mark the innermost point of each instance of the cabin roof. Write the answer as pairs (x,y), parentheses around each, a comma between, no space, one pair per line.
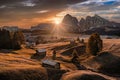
(50,62)
(41,50)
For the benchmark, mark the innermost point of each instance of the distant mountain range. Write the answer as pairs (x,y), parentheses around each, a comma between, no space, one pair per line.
(87,25)
(70,23)
(91,24)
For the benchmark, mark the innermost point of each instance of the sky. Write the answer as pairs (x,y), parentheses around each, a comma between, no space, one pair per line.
(26,13)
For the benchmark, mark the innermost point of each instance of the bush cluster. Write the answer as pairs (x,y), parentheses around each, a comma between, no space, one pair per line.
(11,40)
(94,45)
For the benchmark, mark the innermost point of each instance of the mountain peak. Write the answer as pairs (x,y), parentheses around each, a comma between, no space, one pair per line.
(69,19)
(96,15)
(84,24)
(67,15)
(70,22)
(94,21)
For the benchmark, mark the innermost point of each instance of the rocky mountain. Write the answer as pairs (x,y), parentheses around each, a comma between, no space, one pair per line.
(90,23)
(100,25)
(93,22)
(70,23)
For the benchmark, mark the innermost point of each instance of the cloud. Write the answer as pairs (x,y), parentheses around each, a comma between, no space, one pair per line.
(28,3)
(18,12)
(39,3)
(2,6)
(42,11)
(105,8)
(28,12)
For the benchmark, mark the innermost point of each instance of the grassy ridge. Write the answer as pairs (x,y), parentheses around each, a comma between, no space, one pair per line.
(24,74)
(32,74)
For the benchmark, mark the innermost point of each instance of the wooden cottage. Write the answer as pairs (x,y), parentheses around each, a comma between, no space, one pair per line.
(50,64)
(41,52)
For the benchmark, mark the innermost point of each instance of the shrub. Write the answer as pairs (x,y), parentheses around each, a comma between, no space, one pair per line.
(75,57)
(78,39)
(82,41)
(94,44)
(5,39)
(11,40)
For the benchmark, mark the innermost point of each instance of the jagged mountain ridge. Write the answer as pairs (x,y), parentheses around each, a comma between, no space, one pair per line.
(87,23)
(92,22)
(70,23)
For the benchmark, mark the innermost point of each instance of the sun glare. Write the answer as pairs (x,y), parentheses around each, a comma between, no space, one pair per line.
(57,21)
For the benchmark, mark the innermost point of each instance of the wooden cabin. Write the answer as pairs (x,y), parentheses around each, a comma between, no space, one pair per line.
(41,52)
(50,64)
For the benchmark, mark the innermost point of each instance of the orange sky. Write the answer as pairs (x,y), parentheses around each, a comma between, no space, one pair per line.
(25,13)
(26,22)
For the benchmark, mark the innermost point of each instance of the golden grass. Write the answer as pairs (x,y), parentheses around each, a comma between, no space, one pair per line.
(20,59)
(85,75)
(24,74)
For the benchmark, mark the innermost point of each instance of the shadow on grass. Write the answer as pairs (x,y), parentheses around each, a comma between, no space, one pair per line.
(63,59)
(80,50)
(37,56)
(112,64)
(25,74)
(83,76)
(7,51)
(77,64)
(55,74)
(107,63)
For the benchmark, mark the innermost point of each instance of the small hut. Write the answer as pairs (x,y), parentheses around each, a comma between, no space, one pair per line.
(41,52)
(50,64)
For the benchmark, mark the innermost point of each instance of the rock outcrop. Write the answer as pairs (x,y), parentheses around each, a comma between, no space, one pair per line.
(70,23)
(90,24)
(93,22)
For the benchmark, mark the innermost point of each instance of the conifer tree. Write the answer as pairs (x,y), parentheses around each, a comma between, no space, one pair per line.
(94,44)
(16,41)
(5,39)
(11,40)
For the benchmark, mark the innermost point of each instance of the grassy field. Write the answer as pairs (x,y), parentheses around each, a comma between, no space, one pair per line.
(18,65)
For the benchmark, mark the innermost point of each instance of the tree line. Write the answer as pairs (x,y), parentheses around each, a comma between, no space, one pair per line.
(11,40)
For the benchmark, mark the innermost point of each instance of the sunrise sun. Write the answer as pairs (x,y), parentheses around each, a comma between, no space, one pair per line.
(57,21)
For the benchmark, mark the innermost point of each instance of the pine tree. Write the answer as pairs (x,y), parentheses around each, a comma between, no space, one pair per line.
(11,40)
(5,39)
(18,40)
(78,39)
(94,44)
(18,36)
